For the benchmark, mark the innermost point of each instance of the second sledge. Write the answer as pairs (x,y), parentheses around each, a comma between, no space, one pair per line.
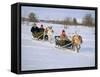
(74,44)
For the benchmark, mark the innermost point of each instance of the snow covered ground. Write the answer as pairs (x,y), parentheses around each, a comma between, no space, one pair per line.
(37,55)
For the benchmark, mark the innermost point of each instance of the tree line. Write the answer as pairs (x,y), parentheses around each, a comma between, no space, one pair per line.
(87,20)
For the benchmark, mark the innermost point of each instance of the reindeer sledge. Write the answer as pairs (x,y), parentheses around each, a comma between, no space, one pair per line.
(73,44)
(41,33)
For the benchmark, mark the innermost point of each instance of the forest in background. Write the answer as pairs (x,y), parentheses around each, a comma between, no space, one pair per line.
(87,20)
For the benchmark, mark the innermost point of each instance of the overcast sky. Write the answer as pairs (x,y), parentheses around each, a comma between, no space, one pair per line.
(55,13)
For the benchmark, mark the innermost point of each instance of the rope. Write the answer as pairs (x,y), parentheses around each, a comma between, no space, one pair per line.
(39,36)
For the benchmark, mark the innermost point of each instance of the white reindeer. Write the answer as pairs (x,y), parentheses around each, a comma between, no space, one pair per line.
(50,34)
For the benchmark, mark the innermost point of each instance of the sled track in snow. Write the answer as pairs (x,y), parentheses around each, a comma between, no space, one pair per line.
(62,50)
(48,45)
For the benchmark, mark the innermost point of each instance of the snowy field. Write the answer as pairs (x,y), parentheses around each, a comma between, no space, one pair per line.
(37,55)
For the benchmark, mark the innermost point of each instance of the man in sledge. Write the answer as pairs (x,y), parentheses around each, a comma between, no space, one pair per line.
(63,35)
(41,28)
(63,40)
(37,32)
(34,28)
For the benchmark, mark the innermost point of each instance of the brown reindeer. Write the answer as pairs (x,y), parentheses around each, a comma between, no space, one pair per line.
(76,42)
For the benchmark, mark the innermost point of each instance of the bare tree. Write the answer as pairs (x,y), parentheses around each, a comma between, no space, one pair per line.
(87,20)
(75,21)
(68,21)
(32,17)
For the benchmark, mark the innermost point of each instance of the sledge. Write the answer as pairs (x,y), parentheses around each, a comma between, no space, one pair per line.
(63,43)
(39,34)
